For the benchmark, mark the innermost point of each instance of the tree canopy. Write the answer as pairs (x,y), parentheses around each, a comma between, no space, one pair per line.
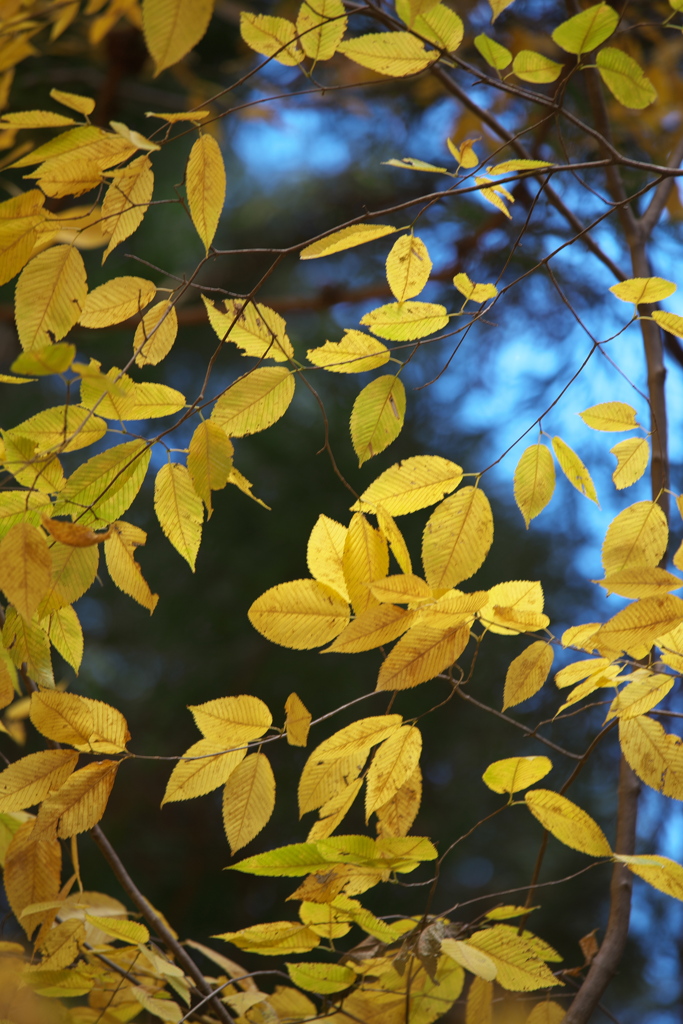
(310,288)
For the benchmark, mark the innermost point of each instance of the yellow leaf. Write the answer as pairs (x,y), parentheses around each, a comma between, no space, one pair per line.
(60,945)
(105,486)
(395,761)
(135,138)
(355,353)
(346,238)
(635,628)
(298,721)
(457,538)
(567,822)
(32,874)
(614,416)
(321,978)
(209,460)
(396,816)
(301,614)
(29,780)
(50,295)
(20,219)
(333,812)
(394,538)
(119,552)
(547,1012)
(173,27)
(65,633)
(640,696)
(79,804)
(633,456)
(27,642)
(25,568)
(534,481)
(321,26)
(252,327)
(232,721)
(655,755)
(123,930)
(625,78)
(116,300)
(338,759)
(531,66)
(83,104)
(35,119)
(406,321)
(514,607)
(451,609)
(469,957)
(73,534)
(408,267)
(89,725)
(126,201)
(527,673)
(638,536)
(518,967)
(640,581)
(273,938)
(422,653)
(183,115)
(73,572)
(402,589)
(377,416)
(165,1009)
(255,401)
(574,469)
(39,474)
(116,396)
(586,30)
(479,1008)
(475,292)
(578,670)
(325,554)
(389,53)
(660,872)
(440,25)
(372,628)
(65,428)
(365,559)
(412,484)
(179,510)
(516,773)
(248,800)
(668,322)
(495,55)
(510,166)
(273,37)
(155,334)
(205,183)
(207,768)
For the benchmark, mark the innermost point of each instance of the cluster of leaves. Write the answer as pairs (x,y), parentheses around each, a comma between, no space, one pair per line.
(52,524)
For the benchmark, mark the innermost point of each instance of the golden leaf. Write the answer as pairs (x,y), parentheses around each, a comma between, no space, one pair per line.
(355,353)
(457,538)
(527,673)
(574,469)
(66,635)
(518,967)
(660,872)
(173,27)
(232,721)
(248,800)
(298,721)
(325,554)
(255,401)
(126,201)
(73,572)
(273,37)
(471,958)
(638,536)
(301,614)
(29,780)
(116,300)
(255,329)
(396,816)
(273,938)
(411,484)
(207,767)
(205,183)
(408,267)
(567,822)
(25,568)
(422,653)
(514,607)
(32,874)
(406,321)
(88,725)
(209,460)
(635,628)
(534,481)
(372,628)
(377,416)
(395,54)
(479,1007)
(655,755)
(321,26)
(50,296)
(515,773)
(365,559)
(346,238)
(643,693)
(333,812)
(615,416)
(633,456)
(79,804)
(179,510)
(395,761)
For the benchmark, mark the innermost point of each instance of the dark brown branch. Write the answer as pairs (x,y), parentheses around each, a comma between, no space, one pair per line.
(650,218)
(157,923)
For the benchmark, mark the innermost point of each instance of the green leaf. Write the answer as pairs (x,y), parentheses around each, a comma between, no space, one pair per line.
(586,30)
(495,55)
(625,79)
